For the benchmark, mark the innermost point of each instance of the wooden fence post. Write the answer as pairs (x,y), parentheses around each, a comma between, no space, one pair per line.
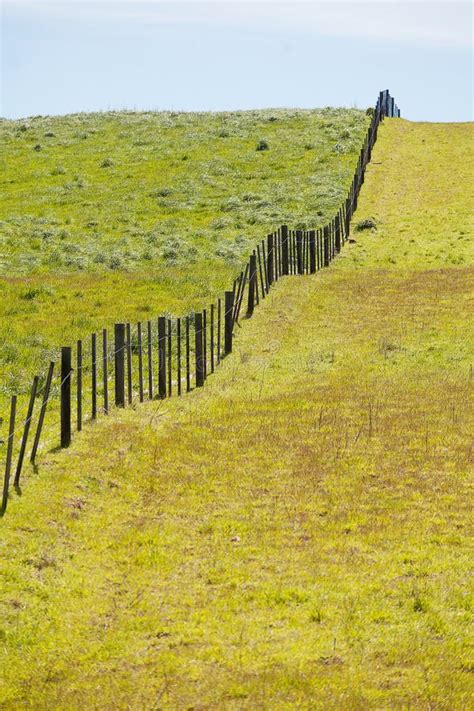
(299,251)
(105,374)
(199,349)
(284,250)
(326,245)
(129,364)
(312,252)
(337,233)
(204,342)
(8,464)
(170,357)
(262,283)
(66,374)
(150,361)
(94,376)
(26,430)
(140,362)
(178,353)
(162,357)
(228,321)
(44,404)
(119,357)
(270,259)
(238,304)
(188,359)
(219,318)
(252,284)
(79,385)
(212,338)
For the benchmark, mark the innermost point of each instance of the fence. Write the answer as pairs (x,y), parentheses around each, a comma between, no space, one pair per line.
(187,349)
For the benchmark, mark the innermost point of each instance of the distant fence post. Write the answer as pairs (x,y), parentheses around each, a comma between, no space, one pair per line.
(228,321)
(119,353)
(8,464)
(299,251)
(198,329)
(326,245)
(284,250)
(270,259)
(312,252)
(162,357)
(66,374)
(94,376)
(252,284)
(337,235)
(79,385)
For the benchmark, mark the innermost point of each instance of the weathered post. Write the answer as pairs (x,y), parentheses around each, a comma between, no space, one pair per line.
(270,259)
(66,374)
(284,250)
(199,351)
(326,245)
(162,357)
(252,284)
(299,251)
(8,464)
(312,252)
(228,321)
(119,358)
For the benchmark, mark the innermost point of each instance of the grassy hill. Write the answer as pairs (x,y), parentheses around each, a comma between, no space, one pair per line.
(123,216)
(296,534)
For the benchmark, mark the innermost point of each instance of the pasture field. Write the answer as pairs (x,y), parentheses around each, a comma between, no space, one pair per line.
(123,216)
(297,533)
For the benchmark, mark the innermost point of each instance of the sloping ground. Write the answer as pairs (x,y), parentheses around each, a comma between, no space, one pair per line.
(127,216)
(296,534)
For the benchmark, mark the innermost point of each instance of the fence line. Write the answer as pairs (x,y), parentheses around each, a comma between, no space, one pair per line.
(283,252)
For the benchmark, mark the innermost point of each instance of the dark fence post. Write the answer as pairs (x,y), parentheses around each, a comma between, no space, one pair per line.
(312,252)
(337,234)
(262,283)
(326,245)
(150,361)
(270,259)
(140,362)
(238,302)
(66,374)
(8,464)
(170,357)
(94,375)
(199,350)
(212,339)
(105,373)
(119,353)
(162,357)
(178,353)
(188,360)
(299,251)
(284,250)
(44,404)
(26,430)
(204,342)
(219,316)
(228,321)
(252,284)
(129,364)
(79,385)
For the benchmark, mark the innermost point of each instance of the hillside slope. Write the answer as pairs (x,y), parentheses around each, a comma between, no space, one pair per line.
(295,535)
(124,216)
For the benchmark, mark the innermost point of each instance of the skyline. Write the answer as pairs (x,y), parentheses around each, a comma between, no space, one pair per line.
(81,56)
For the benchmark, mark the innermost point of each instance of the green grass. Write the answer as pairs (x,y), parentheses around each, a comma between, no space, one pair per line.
(296,534)
(123,216)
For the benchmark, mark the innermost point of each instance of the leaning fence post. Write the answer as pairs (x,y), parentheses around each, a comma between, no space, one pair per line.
(26,431)
(162,357)
(252,284)
(119,352)
(228,321)
(66,374)
(42,414)
(198,350)
(8,464)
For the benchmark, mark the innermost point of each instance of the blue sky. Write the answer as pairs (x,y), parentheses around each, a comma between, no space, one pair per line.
(80,55)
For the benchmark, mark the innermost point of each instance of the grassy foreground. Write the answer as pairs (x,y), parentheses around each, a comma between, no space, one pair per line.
(123,216)
(295,535)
